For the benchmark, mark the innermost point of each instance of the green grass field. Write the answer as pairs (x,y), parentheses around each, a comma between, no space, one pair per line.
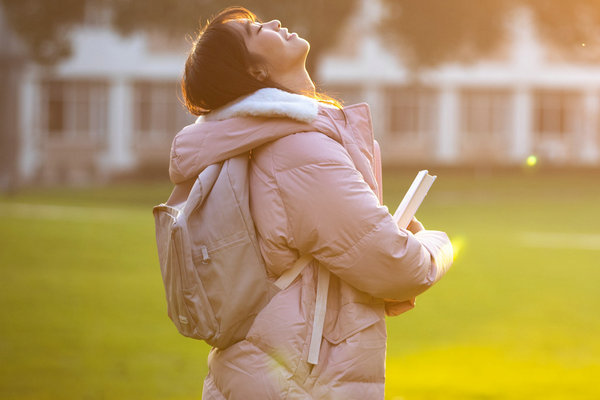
(83,314)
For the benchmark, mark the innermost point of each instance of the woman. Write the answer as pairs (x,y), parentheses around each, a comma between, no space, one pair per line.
(315,188)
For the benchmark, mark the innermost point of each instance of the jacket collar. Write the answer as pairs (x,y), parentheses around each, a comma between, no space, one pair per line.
(272,103)
(261,117)
(269,102)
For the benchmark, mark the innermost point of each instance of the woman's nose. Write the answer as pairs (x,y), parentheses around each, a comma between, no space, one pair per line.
(274,24)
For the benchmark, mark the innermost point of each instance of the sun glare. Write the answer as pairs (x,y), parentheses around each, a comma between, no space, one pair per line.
(531,160)
(458,243)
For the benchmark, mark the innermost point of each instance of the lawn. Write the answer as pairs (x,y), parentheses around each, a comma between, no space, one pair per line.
(83,313)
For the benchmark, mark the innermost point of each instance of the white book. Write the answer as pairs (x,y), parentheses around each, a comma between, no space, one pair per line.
(413,198)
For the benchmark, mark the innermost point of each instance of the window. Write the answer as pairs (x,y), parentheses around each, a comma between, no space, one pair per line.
(411,111)
(485,113)
(556,112)
(158,112)
(55,109)
(74,110)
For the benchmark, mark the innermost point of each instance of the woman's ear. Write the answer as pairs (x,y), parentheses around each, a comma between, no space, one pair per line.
(259,72)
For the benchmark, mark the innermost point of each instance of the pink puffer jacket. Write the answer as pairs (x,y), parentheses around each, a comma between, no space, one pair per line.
(315,187)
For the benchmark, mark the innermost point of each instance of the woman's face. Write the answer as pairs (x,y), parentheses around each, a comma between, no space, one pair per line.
(282,51)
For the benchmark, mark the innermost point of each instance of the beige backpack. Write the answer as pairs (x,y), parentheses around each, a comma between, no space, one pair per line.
(214,275)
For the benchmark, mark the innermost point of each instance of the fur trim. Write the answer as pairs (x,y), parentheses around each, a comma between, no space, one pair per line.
(268,102)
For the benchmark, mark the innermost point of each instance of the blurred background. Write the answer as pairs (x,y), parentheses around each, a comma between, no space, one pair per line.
(499,98)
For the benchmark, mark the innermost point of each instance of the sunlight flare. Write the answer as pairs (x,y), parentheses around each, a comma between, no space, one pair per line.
(458,243)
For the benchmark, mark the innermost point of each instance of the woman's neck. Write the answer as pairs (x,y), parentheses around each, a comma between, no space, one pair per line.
(298,81)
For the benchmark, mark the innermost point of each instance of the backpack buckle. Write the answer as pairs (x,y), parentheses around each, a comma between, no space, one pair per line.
(205,256)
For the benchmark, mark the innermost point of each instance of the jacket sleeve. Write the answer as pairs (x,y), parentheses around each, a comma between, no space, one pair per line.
(335,216)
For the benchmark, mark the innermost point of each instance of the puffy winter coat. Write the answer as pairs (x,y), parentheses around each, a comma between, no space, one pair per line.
(315,187)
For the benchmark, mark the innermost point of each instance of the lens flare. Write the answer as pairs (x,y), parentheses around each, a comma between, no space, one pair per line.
(531,161)
(458,243)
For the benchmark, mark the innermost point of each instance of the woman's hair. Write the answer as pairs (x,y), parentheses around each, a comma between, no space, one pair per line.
(217,70)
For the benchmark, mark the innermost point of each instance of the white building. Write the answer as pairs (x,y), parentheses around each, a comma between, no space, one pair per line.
(493,112)
(113,106)
(12,60)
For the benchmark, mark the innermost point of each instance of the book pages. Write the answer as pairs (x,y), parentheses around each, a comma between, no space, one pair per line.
(413,198)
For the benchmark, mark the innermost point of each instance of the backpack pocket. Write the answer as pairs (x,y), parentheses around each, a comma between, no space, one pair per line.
(238,287)
(187,303)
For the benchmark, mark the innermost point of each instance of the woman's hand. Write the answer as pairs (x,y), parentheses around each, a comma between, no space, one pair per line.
(415,226)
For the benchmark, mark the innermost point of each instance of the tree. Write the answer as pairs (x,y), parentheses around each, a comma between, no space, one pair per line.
(430,32)
(45,25)
(427,32)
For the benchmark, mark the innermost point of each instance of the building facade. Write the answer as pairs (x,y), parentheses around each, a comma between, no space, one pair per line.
(110,108)
(493,112)
(12,61)
(114,105)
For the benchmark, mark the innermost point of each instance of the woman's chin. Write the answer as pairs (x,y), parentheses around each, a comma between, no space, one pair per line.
(306,44)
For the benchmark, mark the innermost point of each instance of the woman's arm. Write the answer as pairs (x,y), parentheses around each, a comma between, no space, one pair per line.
(335,216)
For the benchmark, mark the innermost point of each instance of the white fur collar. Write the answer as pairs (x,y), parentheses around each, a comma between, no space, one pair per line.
(268,102)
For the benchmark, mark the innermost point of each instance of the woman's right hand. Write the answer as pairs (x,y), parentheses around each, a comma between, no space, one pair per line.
(415,226)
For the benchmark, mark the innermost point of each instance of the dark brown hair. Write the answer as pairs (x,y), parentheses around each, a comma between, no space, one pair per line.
(217,70)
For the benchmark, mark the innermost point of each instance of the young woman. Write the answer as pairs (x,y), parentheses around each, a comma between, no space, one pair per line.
(315,188)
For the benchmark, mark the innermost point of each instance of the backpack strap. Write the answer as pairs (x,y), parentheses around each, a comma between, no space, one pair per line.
(319,318)
(288,276)
(320,304)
